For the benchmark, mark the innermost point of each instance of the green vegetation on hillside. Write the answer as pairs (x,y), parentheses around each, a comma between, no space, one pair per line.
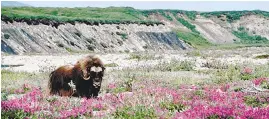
(193,39)
(249,39)
(167,16)
(188,25)
(110,15)
(190,14)
(234,15)
(238,45)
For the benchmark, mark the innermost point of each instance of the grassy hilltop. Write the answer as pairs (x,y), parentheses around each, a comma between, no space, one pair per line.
(108,15)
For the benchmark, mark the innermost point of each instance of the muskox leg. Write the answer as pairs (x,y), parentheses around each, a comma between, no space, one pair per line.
(66,89)
(66,92)
(96,88)
(95,92)
(84,88)
(58,84)
(55,83)
(75,94)
(88,91)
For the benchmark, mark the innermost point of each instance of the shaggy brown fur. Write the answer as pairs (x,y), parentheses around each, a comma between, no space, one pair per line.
(86,74)
(59,79)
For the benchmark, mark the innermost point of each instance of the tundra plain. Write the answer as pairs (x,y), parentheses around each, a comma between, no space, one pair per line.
(212,83)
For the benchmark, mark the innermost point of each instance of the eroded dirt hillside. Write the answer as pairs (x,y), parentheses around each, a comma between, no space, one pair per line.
(213,31)
(144,30)
(217,29)
(254,24)
(20,38)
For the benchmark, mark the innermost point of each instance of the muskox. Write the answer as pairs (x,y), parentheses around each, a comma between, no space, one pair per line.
(86,74)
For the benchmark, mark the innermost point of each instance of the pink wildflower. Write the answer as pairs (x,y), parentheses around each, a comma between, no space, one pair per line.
(111,85)
(247,70)
(259,81)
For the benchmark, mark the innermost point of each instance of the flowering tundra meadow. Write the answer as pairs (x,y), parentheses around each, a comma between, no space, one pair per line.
(202,86)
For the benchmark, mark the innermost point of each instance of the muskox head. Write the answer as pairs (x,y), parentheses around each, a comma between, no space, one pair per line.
(92,68)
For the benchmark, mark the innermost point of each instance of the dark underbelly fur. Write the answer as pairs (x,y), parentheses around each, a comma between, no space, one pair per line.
(85,88)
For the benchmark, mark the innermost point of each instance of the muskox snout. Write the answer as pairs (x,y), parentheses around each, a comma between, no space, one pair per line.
(97,79)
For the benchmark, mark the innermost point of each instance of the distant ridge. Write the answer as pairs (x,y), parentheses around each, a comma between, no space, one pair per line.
(13,4)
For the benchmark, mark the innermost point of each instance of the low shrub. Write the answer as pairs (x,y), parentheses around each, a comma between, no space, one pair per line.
(138,112)
(16,114)
(111,65)
(247,74)
(172,107)
(215,64)
(256,102)
(266,56)
(142,56)
(232,73)
(176,66)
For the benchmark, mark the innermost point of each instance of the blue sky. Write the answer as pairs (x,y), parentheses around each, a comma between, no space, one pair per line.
(181,5)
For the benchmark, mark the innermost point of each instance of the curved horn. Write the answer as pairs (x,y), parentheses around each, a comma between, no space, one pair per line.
(84,74)
(86,78)
(83,66)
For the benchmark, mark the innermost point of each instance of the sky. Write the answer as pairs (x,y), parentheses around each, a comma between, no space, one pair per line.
(180,5)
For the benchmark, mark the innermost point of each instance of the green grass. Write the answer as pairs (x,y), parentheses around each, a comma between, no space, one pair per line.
(234,73)
(236,46)
(249,39)
(88,15)
(188,25)
(9,75)
(193,39)
(11,80)
(165,14)
(196,53)
(190,14)
(110,15)
(222,76)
